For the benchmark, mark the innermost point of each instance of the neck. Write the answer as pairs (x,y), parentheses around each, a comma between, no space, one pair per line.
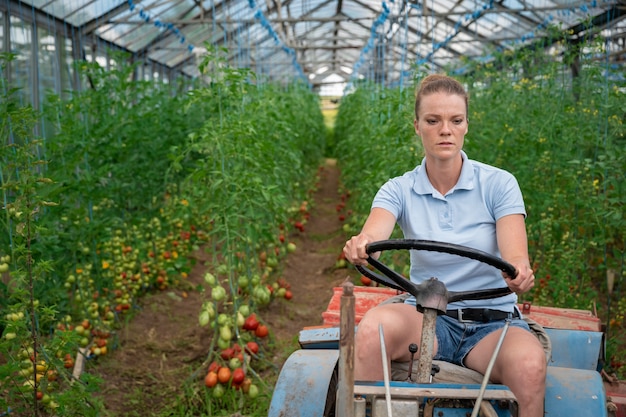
(444,174)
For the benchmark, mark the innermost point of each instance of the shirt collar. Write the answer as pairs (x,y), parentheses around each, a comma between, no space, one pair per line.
(466,179)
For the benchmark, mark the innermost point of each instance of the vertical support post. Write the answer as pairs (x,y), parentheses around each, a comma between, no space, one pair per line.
(345,390)
(427,346)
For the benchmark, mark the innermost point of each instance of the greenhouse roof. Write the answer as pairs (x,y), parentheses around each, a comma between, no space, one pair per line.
(326,42)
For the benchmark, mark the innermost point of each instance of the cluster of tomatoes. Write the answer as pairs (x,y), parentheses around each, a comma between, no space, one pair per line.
(341,207)
(41,375)
(229,372)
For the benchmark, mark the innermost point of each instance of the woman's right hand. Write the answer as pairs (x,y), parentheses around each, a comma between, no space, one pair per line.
(354,250)
(378,226)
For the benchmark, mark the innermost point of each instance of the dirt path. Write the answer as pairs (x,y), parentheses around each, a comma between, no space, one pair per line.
(163,344)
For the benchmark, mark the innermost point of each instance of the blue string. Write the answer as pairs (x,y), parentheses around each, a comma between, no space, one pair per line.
(585,8)
(474,15)
(260,16)
(158,23)
(525,37)
(381,19)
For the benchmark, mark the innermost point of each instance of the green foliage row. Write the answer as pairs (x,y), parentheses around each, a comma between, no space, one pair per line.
(130,178)
(562,137)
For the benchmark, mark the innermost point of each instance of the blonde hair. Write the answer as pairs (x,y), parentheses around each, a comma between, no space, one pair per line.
(438,83)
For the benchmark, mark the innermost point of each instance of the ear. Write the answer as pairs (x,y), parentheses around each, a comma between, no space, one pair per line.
(416,126)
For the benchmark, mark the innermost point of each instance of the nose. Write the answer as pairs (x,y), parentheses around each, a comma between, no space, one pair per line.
(445,128)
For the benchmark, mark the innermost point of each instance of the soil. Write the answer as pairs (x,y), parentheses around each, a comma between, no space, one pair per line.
(163,346)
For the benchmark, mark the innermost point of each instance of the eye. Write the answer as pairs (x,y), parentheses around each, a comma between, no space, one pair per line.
(457,121)
(431,121)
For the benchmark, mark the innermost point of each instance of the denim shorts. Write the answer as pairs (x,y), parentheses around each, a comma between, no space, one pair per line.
(455,339)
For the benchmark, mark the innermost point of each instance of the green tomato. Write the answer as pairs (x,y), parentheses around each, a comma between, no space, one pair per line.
(253,391)
(226,333)
(222,319)
(211,310)
(204,318)
(262,295)
(255,280)
(223,344)
(218,391)
(218,293)
(243,281)
(244,310)
(209,278)
(234,363)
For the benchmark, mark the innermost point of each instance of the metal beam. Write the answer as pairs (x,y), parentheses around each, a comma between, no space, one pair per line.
(310,18)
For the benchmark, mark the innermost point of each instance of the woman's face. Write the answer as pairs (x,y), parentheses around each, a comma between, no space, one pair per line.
(442,124)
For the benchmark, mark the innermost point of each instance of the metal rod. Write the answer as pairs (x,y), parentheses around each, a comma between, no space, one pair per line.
(383,354)
(413,351)
(492,361)
(427,346)
(345,389)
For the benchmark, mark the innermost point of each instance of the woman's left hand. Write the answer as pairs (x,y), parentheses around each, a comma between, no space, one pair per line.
(524,281)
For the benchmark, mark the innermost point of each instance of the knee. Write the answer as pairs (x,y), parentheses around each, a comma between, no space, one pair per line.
(535,368)
(367,337)
(529,371)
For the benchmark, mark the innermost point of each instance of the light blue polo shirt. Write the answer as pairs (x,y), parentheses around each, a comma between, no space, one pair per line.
(466,215)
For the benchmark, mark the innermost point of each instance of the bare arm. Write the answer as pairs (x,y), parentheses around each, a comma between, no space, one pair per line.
(378,226)
(513,245)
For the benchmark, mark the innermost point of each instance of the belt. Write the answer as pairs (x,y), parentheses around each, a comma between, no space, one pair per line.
(483,315)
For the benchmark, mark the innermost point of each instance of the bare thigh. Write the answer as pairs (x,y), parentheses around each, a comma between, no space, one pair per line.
(521,353)
(402,325)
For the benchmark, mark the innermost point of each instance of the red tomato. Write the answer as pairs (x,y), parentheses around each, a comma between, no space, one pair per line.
(227,353)
(261,331)
(223,375)
(288,295)
(210,380)
(238,376)
(252,347)
(251,323)
(365,281)
(214,366)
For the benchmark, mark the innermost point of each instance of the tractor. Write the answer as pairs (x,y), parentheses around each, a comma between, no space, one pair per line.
(318,379)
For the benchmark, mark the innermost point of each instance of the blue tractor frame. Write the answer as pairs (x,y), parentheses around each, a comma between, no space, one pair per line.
(310,380)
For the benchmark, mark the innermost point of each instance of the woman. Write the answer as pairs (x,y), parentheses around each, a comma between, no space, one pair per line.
(451,198)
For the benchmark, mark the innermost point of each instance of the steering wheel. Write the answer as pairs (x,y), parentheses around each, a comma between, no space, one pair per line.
(394,280)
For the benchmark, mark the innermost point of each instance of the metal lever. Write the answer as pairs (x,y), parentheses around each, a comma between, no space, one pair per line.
(487,375)
(413,350)
(383,351)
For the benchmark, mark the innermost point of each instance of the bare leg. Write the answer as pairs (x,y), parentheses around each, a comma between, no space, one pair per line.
(402,325)
(521,365)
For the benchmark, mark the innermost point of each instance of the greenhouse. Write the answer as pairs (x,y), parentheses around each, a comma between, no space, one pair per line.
(183,184)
